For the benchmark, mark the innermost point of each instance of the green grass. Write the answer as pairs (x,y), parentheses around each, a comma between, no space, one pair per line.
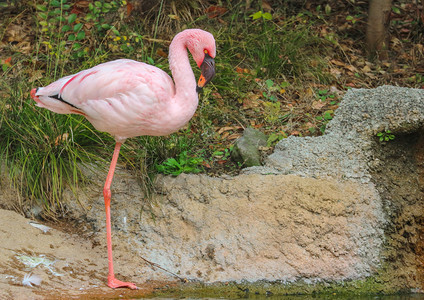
(44,152)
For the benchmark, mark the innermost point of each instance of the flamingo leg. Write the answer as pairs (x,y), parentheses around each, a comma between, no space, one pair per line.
(111,280)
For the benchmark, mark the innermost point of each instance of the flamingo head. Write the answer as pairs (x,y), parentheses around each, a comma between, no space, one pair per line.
(201,45)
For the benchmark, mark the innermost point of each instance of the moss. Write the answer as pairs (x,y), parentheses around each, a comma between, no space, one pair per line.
(379,284)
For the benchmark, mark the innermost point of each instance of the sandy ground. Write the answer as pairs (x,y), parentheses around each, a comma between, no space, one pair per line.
(69,265)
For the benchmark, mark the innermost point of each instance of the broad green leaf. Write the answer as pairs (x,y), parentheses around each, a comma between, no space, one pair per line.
(115,31)
(396,10)
(256,15)
(43,16)
(80,35)
(328,115)
(71,37)
(72,18)
(60,19)
(54,12)
(66,28)
(285,84)
(269,83)
(78,27)
(55,3)
(41,7)
(267,16)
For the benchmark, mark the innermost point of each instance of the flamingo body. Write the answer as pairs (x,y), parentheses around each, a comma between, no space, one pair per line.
(135,98)
(127,98)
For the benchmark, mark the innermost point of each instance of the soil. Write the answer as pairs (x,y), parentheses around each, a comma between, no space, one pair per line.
(71,267)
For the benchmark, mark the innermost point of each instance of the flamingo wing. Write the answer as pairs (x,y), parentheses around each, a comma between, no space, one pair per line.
(115,97)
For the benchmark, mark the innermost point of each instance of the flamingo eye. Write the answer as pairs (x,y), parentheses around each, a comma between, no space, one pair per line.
(206,51)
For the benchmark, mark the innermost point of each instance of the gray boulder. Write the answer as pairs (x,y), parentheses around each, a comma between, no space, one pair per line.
(246,148)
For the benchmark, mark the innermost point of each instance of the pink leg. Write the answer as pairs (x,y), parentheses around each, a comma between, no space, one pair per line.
(111,280)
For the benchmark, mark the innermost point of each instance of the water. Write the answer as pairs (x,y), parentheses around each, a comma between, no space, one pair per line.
(309,297)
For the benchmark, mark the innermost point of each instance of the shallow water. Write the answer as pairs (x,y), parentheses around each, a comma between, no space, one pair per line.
(309,297)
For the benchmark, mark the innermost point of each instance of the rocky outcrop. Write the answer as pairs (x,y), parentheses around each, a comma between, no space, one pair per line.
(249,227)
(350,144)
(351,150)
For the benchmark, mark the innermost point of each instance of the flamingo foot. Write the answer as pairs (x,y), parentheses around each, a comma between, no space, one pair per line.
(115,283)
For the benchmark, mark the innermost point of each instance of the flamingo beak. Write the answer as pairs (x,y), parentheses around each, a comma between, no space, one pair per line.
(33,91)
(208,72)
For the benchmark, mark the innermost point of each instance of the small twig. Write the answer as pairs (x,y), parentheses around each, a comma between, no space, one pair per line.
(163,269)
(156,40)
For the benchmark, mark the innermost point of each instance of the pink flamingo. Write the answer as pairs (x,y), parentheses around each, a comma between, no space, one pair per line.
(127,98)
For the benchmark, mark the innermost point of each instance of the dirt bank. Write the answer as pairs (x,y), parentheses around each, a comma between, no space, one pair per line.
(69,265)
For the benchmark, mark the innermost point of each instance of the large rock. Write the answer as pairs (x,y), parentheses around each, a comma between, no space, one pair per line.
(275,227)
(250,227)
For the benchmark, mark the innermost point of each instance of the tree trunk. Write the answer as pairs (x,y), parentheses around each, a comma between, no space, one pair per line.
(377,36)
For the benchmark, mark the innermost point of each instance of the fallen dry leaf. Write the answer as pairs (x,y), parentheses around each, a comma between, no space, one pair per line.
(130,8)
(234,136)
(366,69)
(223,129)
(251,101)
(61,138)
(317,104)
(215,11)
(161,53)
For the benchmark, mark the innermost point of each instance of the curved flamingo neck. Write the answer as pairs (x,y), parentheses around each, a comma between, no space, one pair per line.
(182,74)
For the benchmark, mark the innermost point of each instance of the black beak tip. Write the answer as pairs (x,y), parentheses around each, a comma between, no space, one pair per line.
(198,89)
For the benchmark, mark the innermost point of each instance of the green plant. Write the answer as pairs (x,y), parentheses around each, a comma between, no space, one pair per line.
(325,95)
(5,64)
(181,164)
(417,78)
(385,136)
(261,15)
(272,111)
(326,117)
(223,154)
(353,19)
(327,9)
(271,89)
(274,138)
(65,35)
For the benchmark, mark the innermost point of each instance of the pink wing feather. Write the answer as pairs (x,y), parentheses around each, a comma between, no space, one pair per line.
(118,97)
